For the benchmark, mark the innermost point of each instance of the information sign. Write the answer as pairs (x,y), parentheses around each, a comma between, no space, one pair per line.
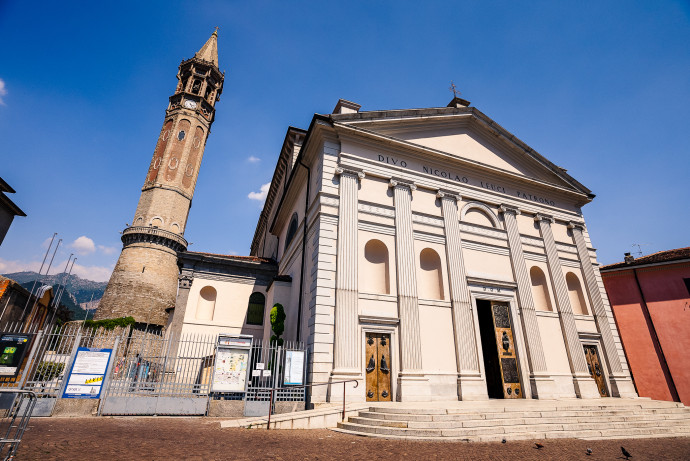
(294,367)
(85,378)
(232,362)
(13,348)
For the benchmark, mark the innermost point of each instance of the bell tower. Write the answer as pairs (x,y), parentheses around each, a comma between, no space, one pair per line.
(144,281)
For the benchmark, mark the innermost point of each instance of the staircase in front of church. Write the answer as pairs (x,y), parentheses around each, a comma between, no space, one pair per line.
(496,420)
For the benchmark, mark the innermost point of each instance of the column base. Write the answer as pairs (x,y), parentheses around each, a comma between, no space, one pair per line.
(413,388)
(623,387)
(544,388)
(472,387)
(585,387)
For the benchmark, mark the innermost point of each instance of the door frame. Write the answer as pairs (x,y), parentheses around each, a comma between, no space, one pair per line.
(506,294)
(387,327)
(594,339)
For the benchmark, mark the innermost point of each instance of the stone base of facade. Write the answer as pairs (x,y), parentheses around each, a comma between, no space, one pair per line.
(544,388)
(623,387)
(585,387)
(413,388)
(472,387)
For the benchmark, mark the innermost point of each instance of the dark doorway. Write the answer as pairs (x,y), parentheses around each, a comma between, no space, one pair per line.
(492,368)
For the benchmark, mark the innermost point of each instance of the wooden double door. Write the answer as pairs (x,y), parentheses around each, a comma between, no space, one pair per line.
(498,346)
(595,369)
(377,348)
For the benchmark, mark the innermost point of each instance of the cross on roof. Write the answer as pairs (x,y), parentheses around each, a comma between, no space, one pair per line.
(454,89)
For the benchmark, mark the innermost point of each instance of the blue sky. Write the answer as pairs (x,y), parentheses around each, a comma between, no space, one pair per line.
(600,88)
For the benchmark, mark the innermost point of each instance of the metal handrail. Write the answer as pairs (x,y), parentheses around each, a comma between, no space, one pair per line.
(273,389)
(15,429)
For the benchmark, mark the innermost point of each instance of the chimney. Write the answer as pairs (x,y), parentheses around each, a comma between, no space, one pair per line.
(346,107)
(628,258)
(458,103)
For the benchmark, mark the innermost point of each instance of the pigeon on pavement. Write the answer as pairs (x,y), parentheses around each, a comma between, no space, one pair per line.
(625,453)
(589,451)
(538,445)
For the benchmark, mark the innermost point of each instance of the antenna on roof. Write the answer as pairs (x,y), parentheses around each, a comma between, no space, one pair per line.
(454,89)
(639,248)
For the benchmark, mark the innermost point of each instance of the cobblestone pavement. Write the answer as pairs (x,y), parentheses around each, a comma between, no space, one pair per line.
(203,439)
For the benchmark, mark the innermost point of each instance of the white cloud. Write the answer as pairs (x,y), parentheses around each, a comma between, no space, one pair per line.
(83,245)
(9,267)
(3,92)
(95,273)
(107,250)
(260,196)
(253,159)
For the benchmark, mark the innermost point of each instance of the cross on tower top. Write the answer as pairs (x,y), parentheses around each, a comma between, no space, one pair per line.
(454,89)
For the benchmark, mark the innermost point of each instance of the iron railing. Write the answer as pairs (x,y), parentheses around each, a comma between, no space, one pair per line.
(15,417)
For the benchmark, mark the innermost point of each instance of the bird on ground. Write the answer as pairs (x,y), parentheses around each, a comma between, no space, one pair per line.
(588,451)
(625,453)
(538,445)
(503,441)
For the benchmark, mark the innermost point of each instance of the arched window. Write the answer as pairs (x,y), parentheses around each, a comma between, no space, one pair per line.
(255,311)
(292,229)
(430,275)
(540,290)
(478,213)
(206,305)
(375,277)
(577,297)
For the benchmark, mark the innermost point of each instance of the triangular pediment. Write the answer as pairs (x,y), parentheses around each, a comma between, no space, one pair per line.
(470,139)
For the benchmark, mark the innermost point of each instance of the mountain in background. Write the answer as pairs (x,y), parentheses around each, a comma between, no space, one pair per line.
(80,294)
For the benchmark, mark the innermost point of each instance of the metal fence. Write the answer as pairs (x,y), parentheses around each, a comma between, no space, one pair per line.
(151,373)
(16,407)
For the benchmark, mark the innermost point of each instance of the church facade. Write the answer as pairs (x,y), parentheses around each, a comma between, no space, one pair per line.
(430,255)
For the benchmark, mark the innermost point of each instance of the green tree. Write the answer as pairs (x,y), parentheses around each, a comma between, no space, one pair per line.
(277,323)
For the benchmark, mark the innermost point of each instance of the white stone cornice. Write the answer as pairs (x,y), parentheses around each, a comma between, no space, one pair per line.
(509,209)
(339,171)
(400,183)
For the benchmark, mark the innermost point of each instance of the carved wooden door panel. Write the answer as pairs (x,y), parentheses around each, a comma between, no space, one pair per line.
(595,369)
(378,370)
(510,374)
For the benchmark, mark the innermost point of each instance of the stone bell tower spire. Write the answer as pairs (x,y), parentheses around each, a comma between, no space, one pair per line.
(144,281)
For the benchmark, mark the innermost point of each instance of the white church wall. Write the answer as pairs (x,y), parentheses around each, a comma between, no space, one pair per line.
(560,233)
(375,190)
(438,349)
(526,226)
(425,201)
(554,352)
(487,265)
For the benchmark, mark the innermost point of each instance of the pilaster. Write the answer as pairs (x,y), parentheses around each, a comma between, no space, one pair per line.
(471,386)
(412,385)
(541,383)
(621,383)
(345,357)
(585,387)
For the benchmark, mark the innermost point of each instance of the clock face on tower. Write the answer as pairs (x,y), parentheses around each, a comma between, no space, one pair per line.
(190,104)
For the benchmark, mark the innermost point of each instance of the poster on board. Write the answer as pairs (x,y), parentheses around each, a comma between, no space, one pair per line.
(230,373)
(13,348)
(85,378)
(294,366)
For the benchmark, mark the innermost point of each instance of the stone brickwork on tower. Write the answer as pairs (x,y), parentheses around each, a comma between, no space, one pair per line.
(144,282)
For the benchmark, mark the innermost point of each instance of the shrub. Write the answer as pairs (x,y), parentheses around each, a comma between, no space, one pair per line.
(277,323)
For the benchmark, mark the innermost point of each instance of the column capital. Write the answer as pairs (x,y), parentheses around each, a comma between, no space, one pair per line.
(339,171)
(448,195)
(576,225)
(400,183)
(509,209)
(544,217)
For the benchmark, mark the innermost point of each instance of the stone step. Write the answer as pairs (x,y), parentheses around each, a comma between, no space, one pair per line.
(533,432)
(667,413)
(605,420)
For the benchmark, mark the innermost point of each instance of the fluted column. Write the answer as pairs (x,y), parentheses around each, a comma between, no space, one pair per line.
(585,386)
(411,383)
(620,382)
(541,384)
(345,356)
(470,384)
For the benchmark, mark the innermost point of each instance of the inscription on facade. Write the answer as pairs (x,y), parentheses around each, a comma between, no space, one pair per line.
(458,177)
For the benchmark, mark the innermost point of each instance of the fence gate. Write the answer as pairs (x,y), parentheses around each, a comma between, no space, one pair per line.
(269,365)
(155,375)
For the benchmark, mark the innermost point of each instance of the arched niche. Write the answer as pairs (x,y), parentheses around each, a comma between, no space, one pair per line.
(576,295)
(256,308)
(430,281)
(540,290)
(478,213)
(375,271)
(206,305)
